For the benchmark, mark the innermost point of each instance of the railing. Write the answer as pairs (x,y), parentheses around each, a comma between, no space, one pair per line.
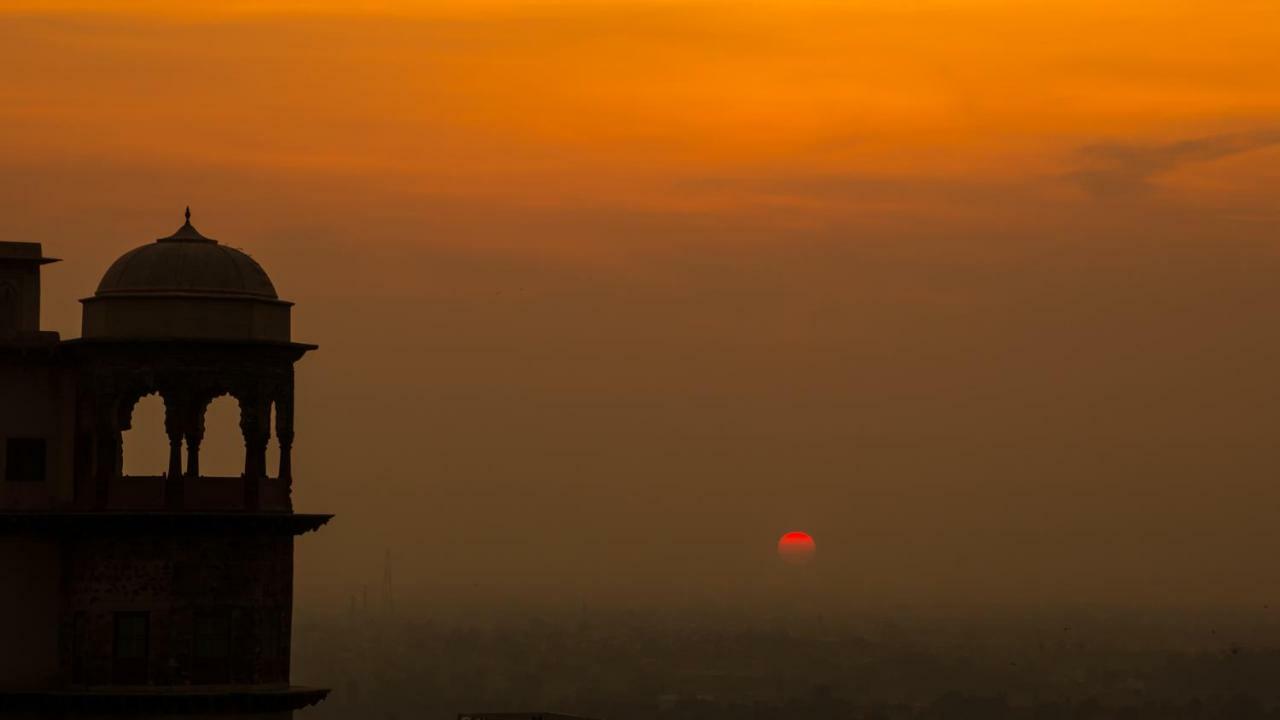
(199,494)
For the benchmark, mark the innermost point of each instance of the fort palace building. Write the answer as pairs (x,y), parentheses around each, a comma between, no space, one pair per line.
(150,596)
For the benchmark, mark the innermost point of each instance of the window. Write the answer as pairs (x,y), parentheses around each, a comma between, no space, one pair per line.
(131,648)
(145,445)
(24,460)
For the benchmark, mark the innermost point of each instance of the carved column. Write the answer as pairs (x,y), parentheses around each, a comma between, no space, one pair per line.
(175,417)
(195,434)
(85,460)
(255,413)
(124,423)
(108,449)
(284,435)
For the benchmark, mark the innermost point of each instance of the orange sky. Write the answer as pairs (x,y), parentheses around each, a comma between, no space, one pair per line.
(655,105)
(917,277)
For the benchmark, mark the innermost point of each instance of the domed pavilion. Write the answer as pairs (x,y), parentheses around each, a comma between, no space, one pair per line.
(147,595)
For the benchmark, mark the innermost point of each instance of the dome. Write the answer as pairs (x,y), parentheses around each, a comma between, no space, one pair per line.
(186,286)
(187,262)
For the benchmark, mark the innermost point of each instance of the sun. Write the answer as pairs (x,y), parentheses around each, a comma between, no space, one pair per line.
(796,547)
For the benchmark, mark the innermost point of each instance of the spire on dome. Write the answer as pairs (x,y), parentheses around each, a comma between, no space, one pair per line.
(187,233)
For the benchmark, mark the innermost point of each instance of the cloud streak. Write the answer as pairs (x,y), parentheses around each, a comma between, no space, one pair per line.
(1124,170)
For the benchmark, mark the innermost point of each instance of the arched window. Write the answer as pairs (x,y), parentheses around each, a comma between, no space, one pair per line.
(146,446)
(222,452)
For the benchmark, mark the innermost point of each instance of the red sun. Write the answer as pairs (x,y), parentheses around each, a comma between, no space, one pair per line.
(796,548)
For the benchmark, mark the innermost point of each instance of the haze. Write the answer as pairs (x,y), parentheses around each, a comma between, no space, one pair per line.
(610,295)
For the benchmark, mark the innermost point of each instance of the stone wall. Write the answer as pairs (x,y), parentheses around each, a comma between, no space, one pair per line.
(28,612)
(38,402)
(185,583)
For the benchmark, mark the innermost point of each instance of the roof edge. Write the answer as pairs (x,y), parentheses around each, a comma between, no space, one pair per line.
(211,294)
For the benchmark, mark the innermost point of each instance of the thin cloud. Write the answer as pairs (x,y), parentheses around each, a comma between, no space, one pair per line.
(1118,169)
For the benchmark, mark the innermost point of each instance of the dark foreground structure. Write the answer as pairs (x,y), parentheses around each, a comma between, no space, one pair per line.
(519,716)
(147,596)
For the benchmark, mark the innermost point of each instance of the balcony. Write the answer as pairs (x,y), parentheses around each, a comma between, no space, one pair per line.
(197,494)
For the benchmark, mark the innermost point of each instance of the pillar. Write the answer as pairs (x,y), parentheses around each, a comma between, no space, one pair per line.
(255,412)
(174,422)
(194,431)
(107,446)
(284,435)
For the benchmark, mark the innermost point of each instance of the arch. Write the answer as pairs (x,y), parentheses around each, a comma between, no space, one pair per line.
(222,447)
(145,445)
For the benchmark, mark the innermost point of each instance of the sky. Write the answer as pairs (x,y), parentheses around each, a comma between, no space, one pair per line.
(610,295)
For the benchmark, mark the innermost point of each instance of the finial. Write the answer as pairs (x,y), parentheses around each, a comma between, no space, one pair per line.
(188,213)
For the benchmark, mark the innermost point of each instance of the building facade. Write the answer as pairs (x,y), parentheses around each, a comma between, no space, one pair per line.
(156,595)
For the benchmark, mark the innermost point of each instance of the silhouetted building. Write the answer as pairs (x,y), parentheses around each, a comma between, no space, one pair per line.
(518,716)
(148,595)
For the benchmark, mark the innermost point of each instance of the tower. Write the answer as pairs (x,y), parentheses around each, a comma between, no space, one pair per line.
(153,595)
(20,290)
